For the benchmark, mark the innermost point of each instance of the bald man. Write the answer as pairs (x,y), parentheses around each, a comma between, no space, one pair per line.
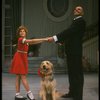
(72,39)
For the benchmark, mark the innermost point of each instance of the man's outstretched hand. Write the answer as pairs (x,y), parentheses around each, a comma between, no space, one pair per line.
(51,39)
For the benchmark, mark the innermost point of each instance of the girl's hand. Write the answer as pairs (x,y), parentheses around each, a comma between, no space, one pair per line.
(50,39)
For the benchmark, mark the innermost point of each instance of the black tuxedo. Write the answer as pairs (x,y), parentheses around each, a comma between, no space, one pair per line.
(72,38)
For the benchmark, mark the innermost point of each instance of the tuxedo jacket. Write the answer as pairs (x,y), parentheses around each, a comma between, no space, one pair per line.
(72,37)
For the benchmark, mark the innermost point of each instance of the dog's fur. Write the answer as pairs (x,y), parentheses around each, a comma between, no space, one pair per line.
(48,83)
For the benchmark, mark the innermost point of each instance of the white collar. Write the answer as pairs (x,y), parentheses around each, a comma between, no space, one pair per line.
(77,17)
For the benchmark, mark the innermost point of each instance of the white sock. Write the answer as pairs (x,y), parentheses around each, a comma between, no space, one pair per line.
(17,93)
(30,94)
(28,91)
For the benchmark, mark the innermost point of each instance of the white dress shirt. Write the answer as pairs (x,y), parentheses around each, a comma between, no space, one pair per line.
(77,17)
(55,38)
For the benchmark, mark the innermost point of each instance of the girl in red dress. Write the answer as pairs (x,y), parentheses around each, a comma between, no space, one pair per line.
(19,65)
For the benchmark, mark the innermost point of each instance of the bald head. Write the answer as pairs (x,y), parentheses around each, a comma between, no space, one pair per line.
(78,11)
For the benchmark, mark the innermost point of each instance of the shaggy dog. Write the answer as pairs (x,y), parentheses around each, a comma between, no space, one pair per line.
(48,83)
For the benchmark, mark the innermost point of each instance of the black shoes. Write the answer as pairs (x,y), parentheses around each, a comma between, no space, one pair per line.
(66,96)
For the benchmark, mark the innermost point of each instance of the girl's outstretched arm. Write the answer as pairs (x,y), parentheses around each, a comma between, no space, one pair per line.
(35,41)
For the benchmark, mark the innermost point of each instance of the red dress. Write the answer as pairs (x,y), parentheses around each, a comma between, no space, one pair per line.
(19,63)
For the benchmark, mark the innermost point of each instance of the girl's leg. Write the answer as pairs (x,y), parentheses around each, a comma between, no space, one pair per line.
(17,84)
(26,85)
(18,78)
(25,82)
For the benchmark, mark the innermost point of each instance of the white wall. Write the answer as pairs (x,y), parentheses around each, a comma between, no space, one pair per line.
(38,22)
(40,25)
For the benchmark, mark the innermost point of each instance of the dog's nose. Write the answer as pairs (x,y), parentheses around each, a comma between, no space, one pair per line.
(44,67)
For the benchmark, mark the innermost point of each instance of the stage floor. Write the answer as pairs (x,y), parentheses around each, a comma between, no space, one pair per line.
(90,86)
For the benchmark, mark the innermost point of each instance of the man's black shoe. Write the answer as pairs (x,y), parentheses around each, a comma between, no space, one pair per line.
(66,96)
